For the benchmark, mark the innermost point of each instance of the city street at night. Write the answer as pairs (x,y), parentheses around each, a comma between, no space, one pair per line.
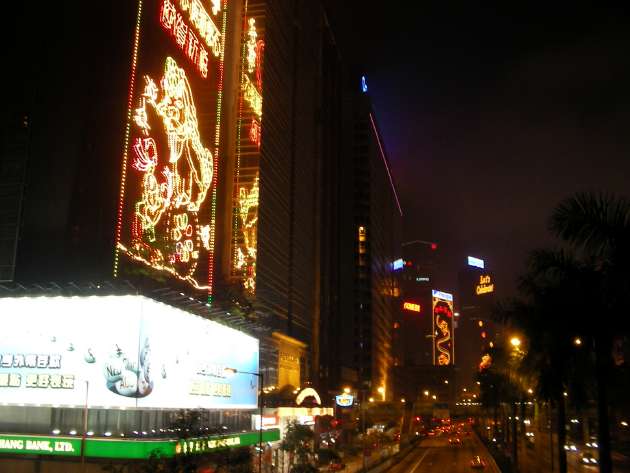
(301,236)
(438,455)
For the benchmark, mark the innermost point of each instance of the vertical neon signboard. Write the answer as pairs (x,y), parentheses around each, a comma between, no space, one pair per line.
(249,137)
(166,212)
(443,333)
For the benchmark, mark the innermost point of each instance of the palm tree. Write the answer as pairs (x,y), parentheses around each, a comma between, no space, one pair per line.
(556,294)
(598,226)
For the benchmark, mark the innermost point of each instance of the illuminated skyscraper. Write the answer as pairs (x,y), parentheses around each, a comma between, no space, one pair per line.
(361,230)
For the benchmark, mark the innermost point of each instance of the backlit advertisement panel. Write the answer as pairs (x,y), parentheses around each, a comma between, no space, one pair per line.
(121,352)
(166,212)
(443,333)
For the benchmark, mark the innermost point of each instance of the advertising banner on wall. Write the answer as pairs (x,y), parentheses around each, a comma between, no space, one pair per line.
(121,352)
(444,336)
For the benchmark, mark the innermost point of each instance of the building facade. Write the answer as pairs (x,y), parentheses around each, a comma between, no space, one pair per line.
(226,164)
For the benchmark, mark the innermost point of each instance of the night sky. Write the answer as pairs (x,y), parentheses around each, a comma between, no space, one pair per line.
(489,116)
(492,116)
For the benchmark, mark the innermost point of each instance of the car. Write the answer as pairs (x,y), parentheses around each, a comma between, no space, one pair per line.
(588,459)
(336,466)
(455,441)
(477,463)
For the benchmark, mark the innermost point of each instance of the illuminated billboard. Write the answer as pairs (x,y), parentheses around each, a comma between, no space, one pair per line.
(248,144)
(444,336)
(476,262)
(411,306)
(122,352)
(485,285)
(166,212)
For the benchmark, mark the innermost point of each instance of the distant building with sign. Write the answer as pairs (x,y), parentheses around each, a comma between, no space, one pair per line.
(477,289)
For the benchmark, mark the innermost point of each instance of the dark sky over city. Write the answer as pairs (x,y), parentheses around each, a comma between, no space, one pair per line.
(490,115)
(493,115)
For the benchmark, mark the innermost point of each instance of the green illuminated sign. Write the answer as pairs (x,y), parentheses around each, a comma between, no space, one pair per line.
(127,448)
(29,445)
(209,444)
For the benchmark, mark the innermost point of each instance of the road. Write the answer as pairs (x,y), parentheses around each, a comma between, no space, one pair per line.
(437,455)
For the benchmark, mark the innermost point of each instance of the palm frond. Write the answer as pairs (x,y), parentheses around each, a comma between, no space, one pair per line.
(596,223)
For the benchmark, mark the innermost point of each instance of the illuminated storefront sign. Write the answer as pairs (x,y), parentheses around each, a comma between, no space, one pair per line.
(166,212)
(444,336)
(131,449)
(268,422)
(344,400)
(412,306)
(476,262)
(35,445)
(134,353)
(248,143)
(485,285)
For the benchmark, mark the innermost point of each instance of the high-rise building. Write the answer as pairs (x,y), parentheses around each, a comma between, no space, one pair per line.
(476,327)
(221,162)
(425,329)
(361,227)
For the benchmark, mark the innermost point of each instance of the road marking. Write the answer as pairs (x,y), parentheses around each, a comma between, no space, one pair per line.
(419,461)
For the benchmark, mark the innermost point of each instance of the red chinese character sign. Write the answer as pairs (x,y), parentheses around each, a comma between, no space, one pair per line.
(246,189)
(444,337)
(170,161)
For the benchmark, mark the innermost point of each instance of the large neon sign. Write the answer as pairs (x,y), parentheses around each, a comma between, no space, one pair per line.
(444,337)
(167,201)
(249,139)
(412,306)
(485,285)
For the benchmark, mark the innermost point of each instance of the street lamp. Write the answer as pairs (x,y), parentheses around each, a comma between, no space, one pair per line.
(231,372)
(515,342)
(346,390)
(577,341)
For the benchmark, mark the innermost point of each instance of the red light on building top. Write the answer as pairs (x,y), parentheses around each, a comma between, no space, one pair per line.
(434,246)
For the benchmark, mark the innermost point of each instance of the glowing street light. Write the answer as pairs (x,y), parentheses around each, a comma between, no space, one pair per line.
(346,390)
(577,341)
(426,393)
(515,342)
(434,396)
